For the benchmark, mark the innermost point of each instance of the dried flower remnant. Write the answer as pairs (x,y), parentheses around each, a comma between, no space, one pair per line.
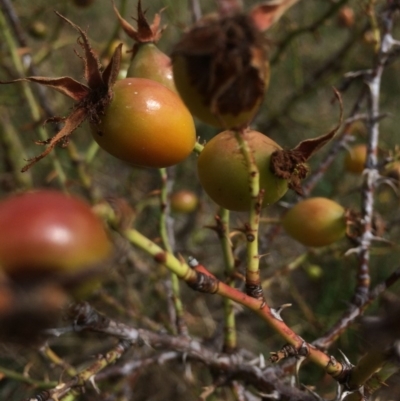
(220,69)
(91,99)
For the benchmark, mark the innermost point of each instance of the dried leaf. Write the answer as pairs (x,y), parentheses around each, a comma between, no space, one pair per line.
(266,14)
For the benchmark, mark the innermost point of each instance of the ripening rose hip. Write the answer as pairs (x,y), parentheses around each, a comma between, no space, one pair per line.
(48,233)
(224,176)
(315,222)
(355,158)
(146,124)
(184,201)
(151,63)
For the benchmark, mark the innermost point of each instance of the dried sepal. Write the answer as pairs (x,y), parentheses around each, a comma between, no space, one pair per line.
(71,123)
(290,164)
(110,73)
(66,85)
(266,14)
(92,100)
(90,60)
(145,32)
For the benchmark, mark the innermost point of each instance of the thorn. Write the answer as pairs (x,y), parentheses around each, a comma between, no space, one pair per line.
(277,312)
(262,361)
(193,262)
(299,362)
(346,360)
(93,383)
(353,250)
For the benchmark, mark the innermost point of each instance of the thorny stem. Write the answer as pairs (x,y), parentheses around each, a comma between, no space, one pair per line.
(167,236)
(253,282)
(87,375)
(371,174)
(362,297)
(201,279)
(372,363)
(236,366)
(33,107)
(230,340)
(349,317)
(180,268)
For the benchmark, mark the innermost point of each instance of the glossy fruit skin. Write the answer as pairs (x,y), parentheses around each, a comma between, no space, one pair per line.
(315,222)
(354,161)
(184,201)
(195,102)
(224,176)
(151,63)
(46,232)
(146,125)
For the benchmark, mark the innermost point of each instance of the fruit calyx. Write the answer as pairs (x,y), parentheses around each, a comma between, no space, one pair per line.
(145,32)
(91,99)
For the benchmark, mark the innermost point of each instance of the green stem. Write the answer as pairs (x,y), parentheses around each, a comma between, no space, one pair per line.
(253,283)
(91,152)
(180,268)
(15,151)
(84,177)
(24,379)
(230,338)
(198,148)
(56,360)
(28,94)
(166,236)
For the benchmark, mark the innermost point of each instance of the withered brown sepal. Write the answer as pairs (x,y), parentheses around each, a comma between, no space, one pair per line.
(226,60)
(145,32)
(91,99)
